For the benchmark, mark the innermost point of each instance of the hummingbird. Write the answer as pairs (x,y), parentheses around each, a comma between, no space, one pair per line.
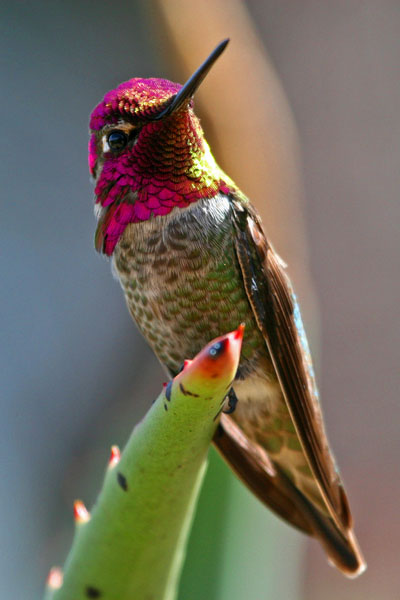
(193,260)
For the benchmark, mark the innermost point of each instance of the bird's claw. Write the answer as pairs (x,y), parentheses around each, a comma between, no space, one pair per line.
(232,402)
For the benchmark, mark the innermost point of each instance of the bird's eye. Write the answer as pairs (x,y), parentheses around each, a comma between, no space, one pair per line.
(117,140)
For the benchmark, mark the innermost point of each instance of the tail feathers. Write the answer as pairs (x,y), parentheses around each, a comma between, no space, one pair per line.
(341,547)
(275,489)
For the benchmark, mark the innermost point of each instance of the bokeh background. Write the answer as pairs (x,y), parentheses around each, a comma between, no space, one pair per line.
(75,373)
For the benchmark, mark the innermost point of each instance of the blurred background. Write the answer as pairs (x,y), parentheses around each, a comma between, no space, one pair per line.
(76,374)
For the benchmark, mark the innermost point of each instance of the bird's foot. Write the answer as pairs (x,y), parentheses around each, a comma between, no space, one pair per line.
(232,402)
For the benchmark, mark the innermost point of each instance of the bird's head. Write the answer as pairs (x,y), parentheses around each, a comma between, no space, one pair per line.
(148,154)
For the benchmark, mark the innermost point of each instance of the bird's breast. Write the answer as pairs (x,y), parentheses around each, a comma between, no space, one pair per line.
(182,281)
(183,286)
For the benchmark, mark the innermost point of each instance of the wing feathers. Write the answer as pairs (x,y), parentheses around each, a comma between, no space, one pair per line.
(272,299)
(257,472)
(278,317)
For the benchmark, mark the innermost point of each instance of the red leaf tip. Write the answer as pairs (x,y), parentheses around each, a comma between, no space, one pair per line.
(239,333)
(115,456)
(55,578)
(81,513)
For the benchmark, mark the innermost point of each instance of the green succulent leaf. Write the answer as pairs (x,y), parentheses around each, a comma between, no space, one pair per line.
(132,545)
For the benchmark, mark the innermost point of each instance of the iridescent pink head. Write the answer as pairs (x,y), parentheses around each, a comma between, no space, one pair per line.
(148,154)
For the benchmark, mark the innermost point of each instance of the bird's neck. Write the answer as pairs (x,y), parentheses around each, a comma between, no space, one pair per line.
(170,166)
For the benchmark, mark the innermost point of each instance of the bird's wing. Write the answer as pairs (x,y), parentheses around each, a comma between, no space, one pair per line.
(277,314)
(252,465)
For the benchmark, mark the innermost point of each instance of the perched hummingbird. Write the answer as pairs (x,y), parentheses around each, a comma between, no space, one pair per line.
(194,262)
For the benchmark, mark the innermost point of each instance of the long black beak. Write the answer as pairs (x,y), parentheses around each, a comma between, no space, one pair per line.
(193,82)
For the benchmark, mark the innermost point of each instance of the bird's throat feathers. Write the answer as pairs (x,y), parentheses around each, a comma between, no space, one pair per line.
(168,164)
